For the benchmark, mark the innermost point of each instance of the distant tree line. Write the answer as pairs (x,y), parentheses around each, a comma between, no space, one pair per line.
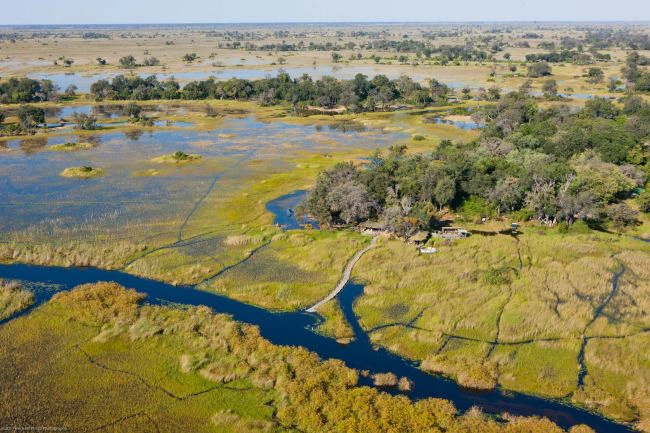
(568,56)
(358,94)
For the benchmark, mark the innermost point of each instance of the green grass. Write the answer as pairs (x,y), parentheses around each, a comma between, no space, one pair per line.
(293,271)
(334,324)
(13,298)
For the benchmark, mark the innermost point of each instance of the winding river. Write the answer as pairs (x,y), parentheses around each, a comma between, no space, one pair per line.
(297,329)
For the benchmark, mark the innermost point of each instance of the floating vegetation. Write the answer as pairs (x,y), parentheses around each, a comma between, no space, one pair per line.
(83,172)
(177,157)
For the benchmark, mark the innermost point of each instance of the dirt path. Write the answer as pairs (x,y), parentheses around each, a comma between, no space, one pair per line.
(344,279)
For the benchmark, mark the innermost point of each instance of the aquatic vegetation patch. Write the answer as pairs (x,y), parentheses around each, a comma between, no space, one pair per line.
(177,157)
(83,172)
(71,146)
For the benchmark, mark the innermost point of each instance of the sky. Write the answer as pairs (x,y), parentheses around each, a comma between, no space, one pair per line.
(251,11)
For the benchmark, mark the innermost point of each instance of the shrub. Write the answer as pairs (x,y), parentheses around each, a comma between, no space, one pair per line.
(644,202)
(497,276)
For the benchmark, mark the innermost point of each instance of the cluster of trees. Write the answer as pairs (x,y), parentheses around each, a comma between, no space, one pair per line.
(22,90)
(539,69)
(567,56)
(639,77)
(548,164)
(129,62)
(95,35)
(29,117)
(358,94)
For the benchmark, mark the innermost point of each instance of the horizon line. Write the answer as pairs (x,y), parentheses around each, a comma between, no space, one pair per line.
(603,21)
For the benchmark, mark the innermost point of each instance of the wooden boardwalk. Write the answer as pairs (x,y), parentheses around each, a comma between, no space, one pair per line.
(344,278)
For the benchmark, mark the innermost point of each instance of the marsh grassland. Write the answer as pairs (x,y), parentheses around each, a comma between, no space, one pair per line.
(13,298)
(114,363)
(538,313)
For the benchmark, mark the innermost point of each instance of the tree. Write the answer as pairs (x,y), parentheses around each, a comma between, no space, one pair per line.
(71,91)
(494,93)
(507,194)
(339,195)
(600,107)
(128,62)
(612,84)
(151,61)
(539,69)
(84,121)
(439,91)
(541,199)
(574,204)
(595,75)
(336,57)
(550,89)
(525,88)
(132,110)
(30,116)
(621,215)
(643,200)
(350,201)
(444,191)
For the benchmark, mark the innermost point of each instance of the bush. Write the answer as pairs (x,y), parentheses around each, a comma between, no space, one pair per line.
(128,62)
(475,208)
(524,214)
(644,202)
